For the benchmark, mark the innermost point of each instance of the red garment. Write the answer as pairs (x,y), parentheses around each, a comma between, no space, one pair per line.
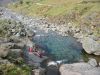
(30,49)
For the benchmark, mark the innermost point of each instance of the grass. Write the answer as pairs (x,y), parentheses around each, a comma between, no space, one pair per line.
(77,11)
(54,7)
(11,69)
(44,7)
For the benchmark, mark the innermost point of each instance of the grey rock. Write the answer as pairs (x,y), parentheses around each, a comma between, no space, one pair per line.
(39,71)
(4,61)
(94,71)
(20,45)
(4,49)
(15,53)
(91,46)
(79,69)
(52,70)
(14,39)
(92,62)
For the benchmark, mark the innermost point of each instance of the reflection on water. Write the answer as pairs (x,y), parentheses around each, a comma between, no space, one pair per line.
(59,47)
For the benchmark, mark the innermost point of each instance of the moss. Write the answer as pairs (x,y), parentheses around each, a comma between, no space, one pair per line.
(85,56)
(6,25)
(11,69)
(3,27)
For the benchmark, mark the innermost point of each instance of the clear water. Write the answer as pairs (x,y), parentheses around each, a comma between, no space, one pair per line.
(59,47)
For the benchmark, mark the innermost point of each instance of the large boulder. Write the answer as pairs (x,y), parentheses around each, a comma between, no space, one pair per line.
(91,46)
(80,69)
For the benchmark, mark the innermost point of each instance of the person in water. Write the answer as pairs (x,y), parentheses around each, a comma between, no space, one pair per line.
(38,52)
(34,49)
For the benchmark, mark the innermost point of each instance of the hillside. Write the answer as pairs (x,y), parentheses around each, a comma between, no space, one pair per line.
(33,33)
(55,8)
(84,13)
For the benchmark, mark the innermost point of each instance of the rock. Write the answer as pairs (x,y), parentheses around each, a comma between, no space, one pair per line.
(52,70)
(14,39)
(79,69)
(3,51)
(17,46)
(2,40)
(70,73)
(30,33)
(33,59)
(20,45)
(39,71)
(94,71)
(64,71)
(4,61)
(91,46)
(15,53)
(7,45)
(92,62)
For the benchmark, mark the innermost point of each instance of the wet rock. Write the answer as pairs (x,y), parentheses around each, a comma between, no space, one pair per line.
(33,59)
(52,70)
(51,67)
(91,46)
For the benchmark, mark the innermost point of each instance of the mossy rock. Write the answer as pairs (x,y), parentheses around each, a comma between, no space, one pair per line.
(11,69)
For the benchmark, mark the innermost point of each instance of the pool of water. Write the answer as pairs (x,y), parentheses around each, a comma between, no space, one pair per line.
(59,47)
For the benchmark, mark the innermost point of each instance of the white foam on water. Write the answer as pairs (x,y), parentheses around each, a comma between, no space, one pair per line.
(52,63)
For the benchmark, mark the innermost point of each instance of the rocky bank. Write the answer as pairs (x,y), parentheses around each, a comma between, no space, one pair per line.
(80,68)
(90,42)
